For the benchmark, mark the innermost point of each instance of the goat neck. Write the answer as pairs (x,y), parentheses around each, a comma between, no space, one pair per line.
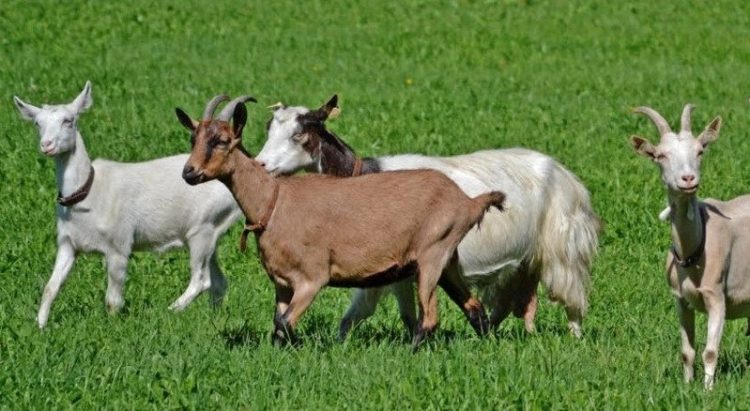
(72,168)
(341,161)
(251,185)
(687,225)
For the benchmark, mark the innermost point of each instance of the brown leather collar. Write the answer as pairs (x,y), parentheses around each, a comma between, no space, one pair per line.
(357,167)
(260,226)
(79,195)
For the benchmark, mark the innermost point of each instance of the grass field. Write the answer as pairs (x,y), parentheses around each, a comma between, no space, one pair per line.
(431,77)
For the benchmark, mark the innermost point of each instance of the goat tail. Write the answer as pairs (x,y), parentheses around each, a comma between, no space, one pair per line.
(485,201)
(567,243)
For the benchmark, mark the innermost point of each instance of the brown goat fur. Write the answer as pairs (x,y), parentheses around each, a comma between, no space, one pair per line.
(355,232)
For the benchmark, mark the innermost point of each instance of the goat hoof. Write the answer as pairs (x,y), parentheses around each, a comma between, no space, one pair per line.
(417,342)
(420,337)
(279,338)
(479,321)
(344,329)
(176,307)
(282,338)
(113,309)
(411,326)
(708,382)
(216,302)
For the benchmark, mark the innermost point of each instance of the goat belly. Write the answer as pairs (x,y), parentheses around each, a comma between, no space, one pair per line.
(379,279)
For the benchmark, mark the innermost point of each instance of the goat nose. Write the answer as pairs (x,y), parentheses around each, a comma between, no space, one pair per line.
(262,164)
(187,171)
(688,178)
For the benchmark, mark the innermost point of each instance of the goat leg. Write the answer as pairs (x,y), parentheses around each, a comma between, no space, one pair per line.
(63,264)
(714,301)
(302,296)
(404,292)
(459,292)
(686,316)
(283,333)
(525,299)
(362,306)
(427,279)
(117,266)
(427,321)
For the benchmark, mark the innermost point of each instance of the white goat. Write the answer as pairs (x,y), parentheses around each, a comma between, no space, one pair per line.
(548,230)
(115,208)
(708,267)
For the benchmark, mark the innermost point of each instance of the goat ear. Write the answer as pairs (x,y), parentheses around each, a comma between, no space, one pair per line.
(185,119)
(711,133)
(83,101)
(28,111)
(239,118)
(331,108)
(643,147)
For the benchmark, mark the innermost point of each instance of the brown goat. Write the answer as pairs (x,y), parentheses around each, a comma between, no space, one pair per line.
(315,230)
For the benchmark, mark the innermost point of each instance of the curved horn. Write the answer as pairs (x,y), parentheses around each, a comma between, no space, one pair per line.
(228,110)
(685,119)
(658,120)
(208,113)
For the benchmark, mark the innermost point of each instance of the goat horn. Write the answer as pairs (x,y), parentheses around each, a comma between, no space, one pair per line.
(685,119)
(228,110)
(208,113)
(658,120)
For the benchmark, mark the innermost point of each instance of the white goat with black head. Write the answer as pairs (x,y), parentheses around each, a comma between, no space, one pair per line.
(549,231)
(115,208)
(708,267)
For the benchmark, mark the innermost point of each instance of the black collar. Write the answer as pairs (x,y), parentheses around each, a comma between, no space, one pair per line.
(79,195)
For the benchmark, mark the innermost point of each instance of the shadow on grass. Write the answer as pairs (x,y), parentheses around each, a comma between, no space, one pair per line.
(243,336)
(734,363)
(317,331)
(518,332)
(323,340)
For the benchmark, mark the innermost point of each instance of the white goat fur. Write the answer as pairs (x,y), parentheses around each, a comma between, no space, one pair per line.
(718,281)
(548,219)
(130,206)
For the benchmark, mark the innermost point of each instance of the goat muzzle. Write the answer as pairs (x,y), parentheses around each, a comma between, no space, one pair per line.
(191,176)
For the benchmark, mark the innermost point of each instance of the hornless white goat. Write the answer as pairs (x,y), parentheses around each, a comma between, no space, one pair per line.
(708,267)
(115,208)
(548,230)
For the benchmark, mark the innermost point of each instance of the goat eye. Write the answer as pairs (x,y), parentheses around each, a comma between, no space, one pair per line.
(67,122)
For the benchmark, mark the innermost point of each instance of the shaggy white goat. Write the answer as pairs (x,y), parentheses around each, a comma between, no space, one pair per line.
(708,267)
(115,208)
(548,230)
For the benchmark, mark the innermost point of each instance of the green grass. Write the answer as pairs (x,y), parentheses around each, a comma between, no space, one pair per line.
(432,77)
